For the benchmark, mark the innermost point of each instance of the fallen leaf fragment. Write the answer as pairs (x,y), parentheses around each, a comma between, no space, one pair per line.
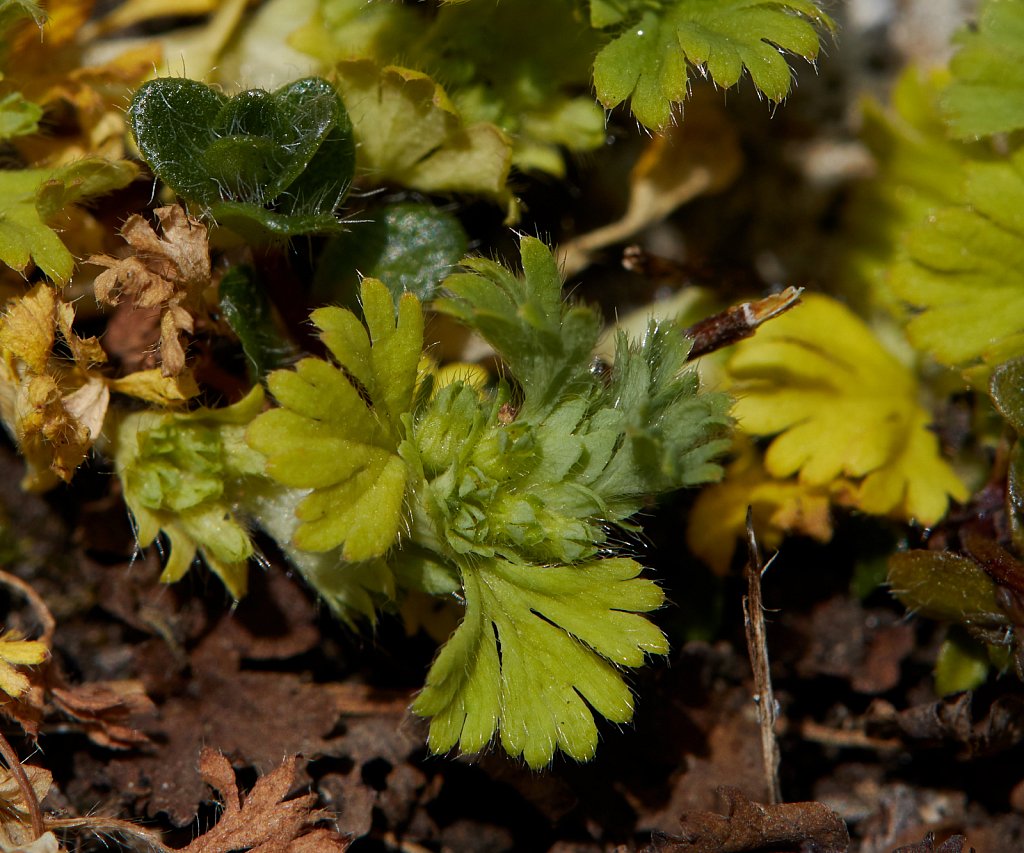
(750,826)
(264,822)
(105,709)
(15,821)
(169,271)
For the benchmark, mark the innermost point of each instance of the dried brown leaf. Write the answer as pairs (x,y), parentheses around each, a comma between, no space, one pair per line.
(105,709)
(750,826)
(15,820)
(168,271)
(262,822)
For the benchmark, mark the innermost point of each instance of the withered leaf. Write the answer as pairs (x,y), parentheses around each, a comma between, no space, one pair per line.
(15,823)
(263,822)
(105,709)
(168,271)
(750,826)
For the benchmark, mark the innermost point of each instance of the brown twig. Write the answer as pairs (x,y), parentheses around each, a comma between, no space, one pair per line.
(738,322)
(28,793)
(757,648)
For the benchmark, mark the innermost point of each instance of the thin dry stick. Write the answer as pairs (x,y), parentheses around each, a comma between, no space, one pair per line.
(757,649)
(28,793)
(46,620)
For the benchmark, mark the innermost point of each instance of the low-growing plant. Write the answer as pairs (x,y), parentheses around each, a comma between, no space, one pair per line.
(510,486)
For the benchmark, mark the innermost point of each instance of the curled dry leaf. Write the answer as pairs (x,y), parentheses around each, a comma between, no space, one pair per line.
(105,709)
(264,822)
(54,411)
(168,271)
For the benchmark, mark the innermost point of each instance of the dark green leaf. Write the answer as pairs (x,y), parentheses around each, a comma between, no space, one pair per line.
(409,246)
(247,310)
(265,164)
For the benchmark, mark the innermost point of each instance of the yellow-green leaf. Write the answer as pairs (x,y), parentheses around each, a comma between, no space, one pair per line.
(841,407)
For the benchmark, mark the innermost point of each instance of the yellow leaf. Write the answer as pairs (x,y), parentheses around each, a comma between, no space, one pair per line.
(153,387)
(53,72)
(841,406)
(779,507)
(17,651)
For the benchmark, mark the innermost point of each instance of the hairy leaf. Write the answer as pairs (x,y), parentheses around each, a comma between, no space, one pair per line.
(409,246)
(536,654)
(339,427)
(545,343)
(247,310)
(841,407)
(408,132)
(183,475)
(266,164)
(963,271)
(648,62)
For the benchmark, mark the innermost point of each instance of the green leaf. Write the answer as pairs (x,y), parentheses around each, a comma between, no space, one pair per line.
(409,133)
(945,586)
(537,654)
(266,164)
(338,428)
(648,61)
(18,117)
(521,66)
(409,246)
(183,474)
(918,169)
(247,310)
(349,589)
(12,11)
(545,342)
(29,197)
(964,271)
(986,95)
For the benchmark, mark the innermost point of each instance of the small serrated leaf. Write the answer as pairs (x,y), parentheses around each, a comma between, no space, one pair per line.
(543,644)
(647,62)
(339,427)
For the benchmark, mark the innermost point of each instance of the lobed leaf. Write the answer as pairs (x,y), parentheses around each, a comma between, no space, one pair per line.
(537,654)
(647,62)
(29,198)
(183,474)
(984,96)
(545,342)
(841,407)
(409,133)
(962,271)
(339,427)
